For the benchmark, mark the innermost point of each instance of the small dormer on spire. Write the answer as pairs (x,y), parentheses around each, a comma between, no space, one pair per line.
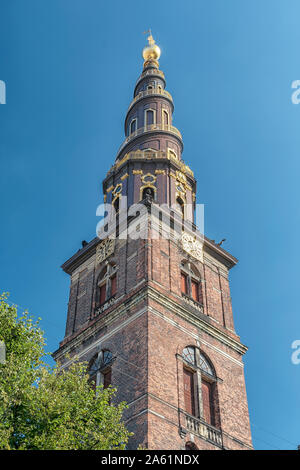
(151,53)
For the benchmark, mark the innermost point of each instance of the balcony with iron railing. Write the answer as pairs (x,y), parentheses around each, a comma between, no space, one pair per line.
(154,91)
(150,128)
(201,428)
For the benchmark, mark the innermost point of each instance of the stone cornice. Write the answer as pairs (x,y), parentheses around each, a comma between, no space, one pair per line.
(90,249)
(193,317)
(220,252)
(146,293)
(161,160)
(80,256)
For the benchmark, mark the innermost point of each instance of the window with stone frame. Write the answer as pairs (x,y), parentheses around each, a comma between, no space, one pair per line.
(149,117)
(165,117)
(106,284)
(100,369)
(199,382)
(133,126)
(148,192)
(191,281)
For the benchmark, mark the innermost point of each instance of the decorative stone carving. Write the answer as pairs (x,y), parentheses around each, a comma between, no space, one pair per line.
(118,189)
(181,177)
(149,178)
(191,245)
(105,249)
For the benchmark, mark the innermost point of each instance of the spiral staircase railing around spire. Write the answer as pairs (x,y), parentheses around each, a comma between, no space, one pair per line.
(152,72)
(154,91)
(150,128)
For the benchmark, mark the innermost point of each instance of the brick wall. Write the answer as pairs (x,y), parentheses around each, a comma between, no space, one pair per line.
(146,331)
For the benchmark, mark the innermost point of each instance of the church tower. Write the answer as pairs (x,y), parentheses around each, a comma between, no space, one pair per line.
(150,307)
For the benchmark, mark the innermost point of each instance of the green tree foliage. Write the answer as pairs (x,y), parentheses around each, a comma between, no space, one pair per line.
(43,407)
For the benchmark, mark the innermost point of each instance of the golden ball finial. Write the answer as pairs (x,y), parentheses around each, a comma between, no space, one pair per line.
(152,51)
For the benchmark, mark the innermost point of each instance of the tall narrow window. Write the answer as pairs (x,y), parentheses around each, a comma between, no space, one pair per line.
(189,398)
(193,282)
(165,117)
(113,284)
(184,287)
(107,378)
(195,290)
(133,126)
(100,369)
(106,285)
(102,294)
(149,117)
(194,360)
(206,389)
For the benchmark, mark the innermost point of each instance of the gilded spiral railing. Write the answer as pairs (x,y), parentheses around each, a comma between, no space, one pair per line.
(154,91)
(150,128)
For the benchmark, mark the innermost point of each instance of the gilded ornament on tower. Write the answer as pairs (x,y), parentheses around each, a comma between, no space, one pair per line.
(151,53)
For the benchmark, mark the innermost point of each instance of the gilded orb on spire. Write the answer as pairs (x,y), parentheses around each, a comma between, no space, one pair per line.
(151,53)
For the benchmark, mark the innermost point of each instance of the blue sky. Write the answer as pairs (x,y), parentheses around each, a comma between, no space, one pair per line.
(70,68)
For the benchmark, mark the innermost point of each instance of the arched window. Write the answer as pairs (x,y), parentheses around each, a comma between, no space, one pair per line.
(149,117)
(195,403)
(132,127)
(190,446)
(100,369)
(165,117)
(106,284)
(148,193)
(191,282)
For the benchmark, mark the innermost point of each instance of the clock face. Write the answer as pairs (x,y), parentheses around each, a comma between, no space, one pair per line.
(192,246)
(105,249)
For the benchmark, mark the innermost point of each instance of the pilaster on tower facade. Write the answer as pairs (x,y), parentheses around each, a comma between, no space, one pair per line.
(152,314)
